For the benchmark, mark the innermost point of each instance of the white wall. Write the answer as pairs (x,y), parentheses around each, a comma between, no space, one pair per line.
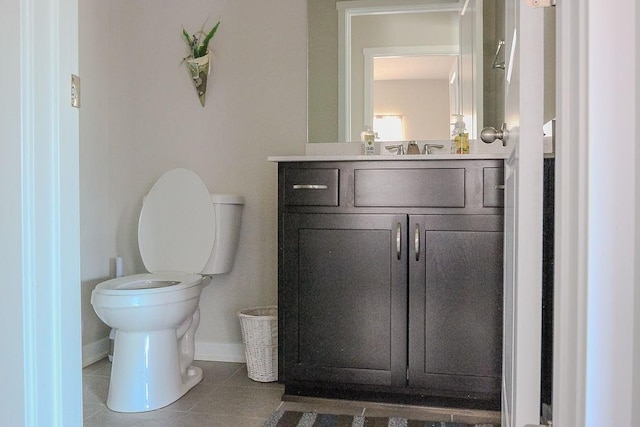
(423,103)
(141,117)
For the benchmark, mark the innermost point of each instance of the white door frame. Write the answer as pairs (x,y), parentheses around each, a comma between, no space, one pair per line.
(44,300)
(571,216)
(596,325)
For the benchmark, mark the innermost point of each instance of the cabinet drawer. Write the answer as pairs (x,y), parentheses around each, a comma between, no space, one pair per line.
(311,187)
(493,187)
(441,187)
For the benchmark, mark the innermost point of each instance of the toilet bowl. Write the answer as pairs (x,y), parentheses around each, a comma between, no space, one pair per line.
(185,235)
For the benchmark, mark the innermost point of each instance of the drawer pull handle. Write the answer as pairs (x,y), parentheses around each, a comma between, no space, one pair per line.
(310,187)
(499,187)
(416,242)
(399,240)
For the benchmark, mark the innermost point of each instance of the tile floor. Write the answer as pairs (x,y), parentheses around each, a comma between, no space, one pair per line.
(227,397)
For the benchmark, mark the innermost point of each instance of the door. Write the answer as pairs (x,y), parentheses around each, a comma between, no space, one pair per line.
(523,215)
(344,292)
(455,305)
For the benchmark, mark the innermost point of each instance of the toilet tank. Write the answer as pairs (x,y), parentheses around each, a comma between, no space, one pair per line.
(228,212)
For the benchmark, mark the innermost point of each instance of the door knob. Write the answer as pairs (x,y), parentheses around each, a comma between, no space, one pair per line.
(490,134)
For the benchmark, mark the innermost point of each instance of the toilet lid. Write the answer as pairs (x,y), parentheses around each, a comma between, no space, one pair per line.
(176,230)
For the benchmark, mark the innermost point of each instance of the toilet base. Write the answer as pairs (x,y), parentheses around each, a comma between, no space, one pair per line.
(145,374)
(191,378)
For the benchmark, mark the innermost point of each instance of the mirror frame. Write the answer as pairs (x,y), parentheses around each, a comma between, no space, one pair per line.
(350,9)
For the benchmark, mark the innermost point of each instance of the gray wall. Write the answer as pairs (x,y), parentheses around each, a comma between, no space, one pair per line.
(323,71)
(141,116)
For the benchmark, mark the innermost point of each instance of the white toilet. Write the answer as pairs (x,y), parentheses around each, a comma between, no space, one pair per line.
(184,234)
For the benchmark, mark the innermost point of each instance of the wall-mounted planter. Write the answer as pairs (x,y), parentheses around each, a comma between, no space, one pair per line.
(199,69)
(199,59)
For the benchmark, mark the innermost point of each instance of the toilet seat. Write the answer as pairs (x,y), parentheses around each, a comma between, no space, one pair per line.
(149,283)
(176,234)
(176,230)
(154,288)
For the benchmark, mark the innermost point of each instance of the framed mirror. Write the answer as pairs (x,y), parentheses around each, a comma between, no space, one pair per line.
(416,62)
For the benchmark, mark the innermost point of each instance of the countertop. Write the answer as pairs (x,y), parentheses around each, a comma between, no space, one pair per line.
(347,158)
(350,151)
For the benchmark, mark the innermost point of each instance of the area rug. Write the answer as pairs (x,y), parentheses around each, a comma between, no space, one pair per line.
(311,419)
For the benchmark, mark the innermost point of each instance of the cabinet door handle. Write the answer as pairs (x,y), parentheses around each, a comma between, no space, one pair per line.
(310,187)
(399,240)
(416,241)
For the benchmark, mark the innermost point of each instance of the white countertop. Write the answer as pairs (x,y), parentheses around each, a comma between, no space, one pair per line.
(351,151)
(346,158)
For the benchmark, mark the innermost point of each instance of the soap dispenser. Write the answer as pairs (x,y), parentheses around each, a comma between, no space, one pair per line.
(368,138)
(459,136)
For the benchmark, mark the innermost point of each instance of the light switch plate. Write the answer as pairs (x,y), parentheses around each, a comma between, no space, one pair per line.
(75,91)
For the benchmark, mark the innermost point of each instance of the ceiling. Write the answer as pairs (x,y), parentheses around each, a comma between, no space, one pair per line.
(430,67)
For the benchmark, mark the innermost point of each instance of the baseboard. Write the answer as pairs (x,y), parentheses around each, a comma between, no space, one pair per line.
(95,351)
(220,351)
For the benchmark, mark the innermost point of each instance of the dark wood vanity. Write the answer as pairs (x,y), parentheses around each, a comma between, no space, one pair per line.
(390,280)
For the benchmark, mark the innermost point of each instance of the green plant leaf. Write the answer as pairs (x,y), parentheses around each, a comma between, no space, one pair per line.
(186,35)
(190,42)
(203,48)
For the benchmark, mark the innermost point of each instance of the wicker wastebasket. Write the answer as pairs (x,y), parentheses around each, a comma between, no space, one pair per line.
(260,335)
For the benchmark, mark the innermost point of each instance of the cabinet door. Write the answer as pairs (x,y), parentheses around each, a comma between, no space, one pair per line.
(455,304)
(343,298)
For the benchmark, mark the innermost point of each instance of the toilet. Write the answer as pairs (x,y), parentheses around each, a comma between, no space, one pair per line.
(185,235)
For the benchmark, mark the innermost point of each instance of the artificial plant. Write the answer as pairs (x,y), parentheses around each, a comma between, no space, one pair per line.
(199,49)
(199,59)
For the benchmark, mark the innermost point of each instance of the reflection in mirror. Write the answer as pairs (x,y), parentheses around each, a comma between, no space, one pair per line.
(493,76)
(419,86)
(394,32)
(368,57)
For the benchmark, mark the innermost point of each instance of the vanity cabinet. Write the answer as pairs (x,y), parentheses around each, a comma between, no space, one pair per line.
(390,280)
(344,299)
(455,304)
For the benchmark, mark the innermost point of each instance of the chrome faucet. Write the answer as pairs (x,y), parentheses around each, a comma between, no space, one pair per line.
(426,148)
(398,148)
(412,148)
